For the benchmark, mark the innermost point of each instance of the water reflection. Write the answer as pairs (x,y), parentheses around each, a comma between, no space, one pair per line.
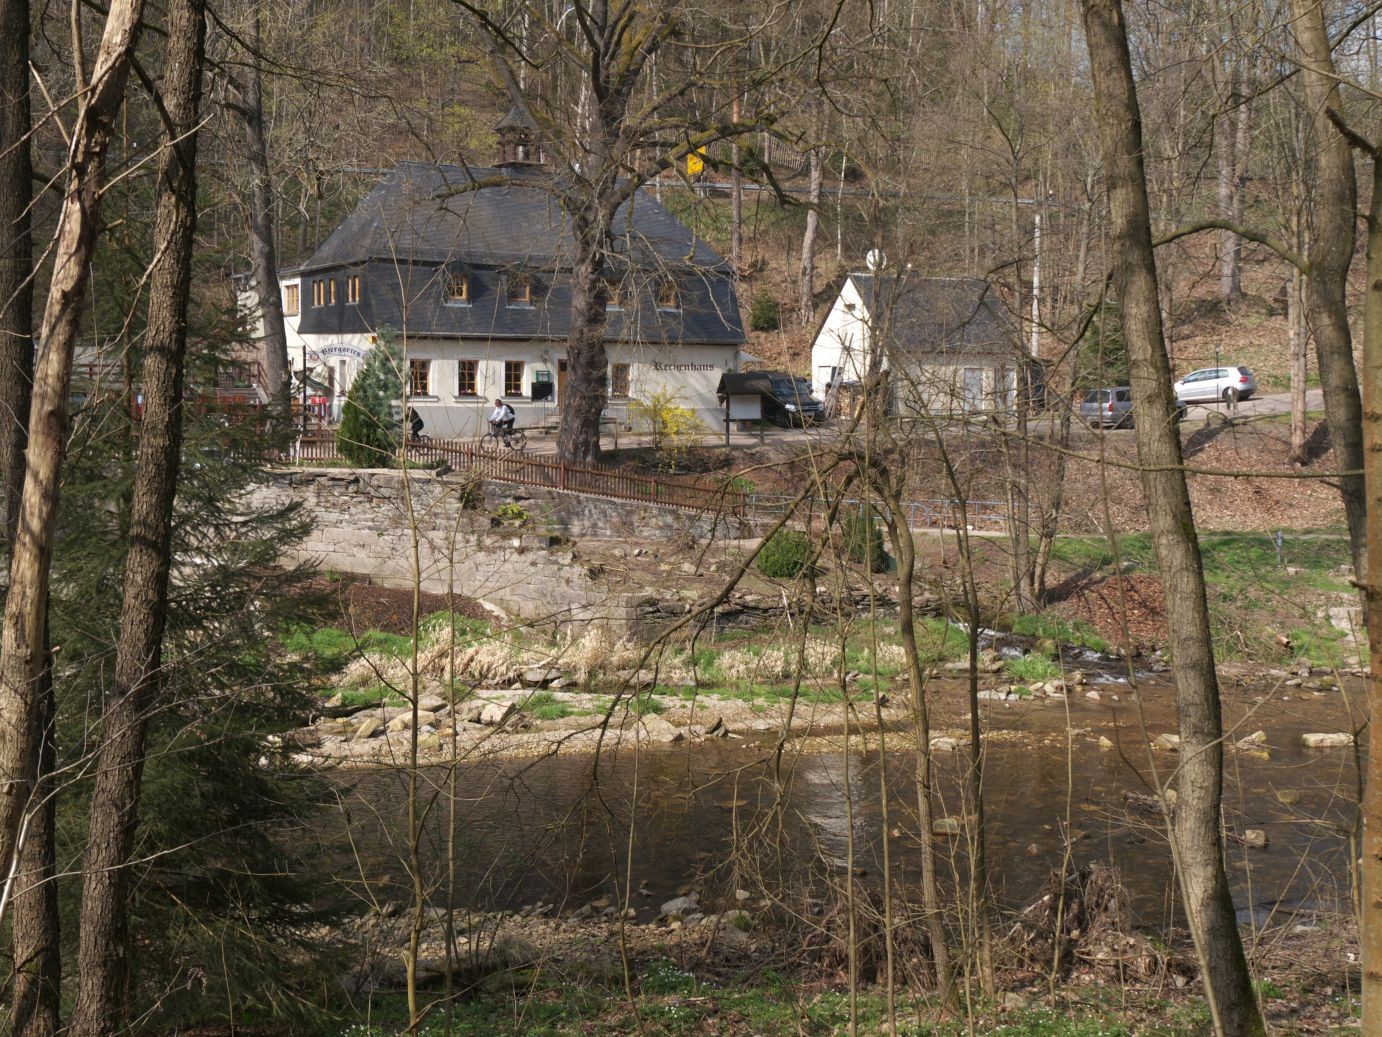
(558,830)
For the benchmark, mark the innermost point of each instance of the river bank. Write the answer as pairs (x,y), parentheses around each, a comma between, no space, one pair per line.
(755,967)
(542,720)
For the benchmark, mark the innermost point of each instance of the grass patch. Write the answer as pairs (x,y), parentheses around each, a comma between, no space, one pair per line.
(1058,628)
(352,697)
(333,648)
(328,647)
(830,693)
(675,1002)
(434,626)
(1227,556)
(939,640)
(1033,668)
(644,704)
(1324,646)
(544,705)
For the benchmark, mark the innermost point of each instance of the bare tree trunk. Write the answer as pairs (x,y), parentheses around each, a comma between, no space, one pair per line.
(1233,144)
(807,304)
(1372,790)
(905,550)
(263,254)
(1300,357)
(1017,455)
(578,440)
(102,953)
(37,924)
(1198,838)
(16,254)
(1051,513)
(1334,196)
(736,203)
(21,643)
(35,927)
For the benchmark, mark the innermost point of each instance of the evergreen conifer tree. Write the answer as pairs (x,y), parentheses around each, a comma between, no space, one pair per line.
(369,434)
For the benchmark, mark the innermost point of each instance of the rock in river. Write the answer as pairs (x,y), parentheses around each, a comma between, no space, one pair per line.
(681,905)
(496,713)
(1326,740)
(369,727)
(656,729)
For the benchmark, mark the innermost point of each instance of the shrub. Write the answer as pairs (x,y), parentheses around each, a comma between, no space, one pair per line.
(674,429)
(785,555)
(765,314)
(863,540)
(511,512)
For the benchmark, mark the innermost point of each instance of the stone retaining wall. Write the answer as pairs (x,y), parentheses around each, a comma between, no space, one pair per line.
(360,526)
(582,516)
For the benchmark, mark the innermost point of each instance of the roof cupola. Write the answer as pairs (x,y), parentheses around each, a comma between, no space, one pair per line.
(518,139)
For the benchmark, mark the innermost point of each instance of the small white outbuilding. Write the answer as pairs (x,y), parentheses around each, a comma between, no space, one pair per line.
(947,344)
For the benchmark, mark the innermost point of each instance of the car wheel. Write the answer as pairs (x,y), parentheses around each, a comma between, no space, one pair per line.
(1230,395)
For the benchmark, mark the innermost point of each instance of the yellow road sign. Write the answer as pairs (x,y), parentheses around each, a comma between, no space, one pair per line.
(695,163)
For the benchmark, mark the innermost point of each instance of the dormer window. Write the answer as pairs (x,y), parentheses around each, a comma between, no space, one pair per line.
(353,288)
(458,289)
(667,296)
(520,292)
(614,299)
(324,292)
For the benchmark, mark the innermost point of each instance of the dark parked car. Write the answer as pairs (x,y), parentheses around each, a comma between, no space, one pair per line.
(787,399)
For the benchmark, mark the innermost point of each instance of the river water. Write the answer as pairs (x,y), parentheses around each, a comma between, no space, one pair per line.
(723,814)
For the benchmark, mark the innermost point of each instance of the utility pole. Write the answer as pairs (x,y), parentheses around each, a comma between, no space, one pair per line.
(1036,284)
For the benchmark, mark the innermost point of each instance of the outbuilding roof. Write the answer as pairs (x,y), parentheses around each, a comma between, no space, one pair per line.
(937,314)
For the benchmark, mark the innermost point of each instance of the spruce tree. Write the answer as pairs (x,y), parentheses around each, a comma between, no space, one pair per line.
(369,435)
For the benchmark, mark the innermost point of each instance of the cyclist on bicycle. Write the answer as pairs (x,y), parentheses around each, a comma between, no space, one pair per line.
(501,420)
(414,425)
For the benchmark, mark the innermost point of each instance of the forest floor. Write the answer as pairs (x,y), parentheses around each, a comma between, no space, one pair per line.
(740,979)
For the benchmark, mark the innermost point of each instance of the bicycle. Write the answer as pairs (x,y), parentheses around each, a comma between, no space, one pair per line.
(514,439)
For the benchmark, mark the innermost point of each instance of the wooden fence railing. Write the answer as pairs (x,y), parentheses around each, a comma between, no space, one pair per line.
(511,466)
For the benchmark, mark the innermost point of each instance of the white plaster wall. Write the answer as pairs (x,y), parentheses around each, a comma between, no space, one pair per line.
(842,342)
(691,373)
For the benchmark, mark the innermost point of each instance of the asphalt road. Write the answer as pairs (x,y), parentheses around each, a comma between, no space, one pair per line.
(1257,406)
(1276,403)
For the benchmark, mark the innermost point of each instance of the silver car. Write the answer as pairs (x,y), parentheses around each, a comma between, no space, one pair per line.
(1216,383)
(1107,407)
(1113,407)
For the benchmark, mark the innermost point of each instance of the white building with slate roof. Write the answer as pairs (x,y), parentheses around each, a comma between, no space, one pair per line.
(467,267)
(947,343)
